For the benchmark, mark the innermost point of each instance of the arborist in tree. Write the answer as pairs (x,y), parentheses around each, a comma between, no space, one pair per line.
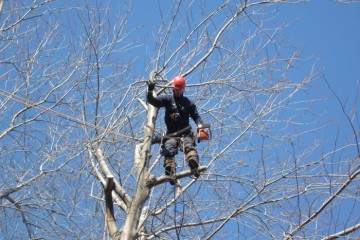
(178,110)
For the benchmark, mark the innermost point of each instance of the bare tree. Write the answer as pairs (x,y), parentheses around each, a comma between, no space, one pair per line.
(76,139)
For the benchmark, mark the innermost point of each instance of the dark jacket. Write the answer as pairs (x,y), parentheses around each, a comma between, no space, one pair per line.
(177,111)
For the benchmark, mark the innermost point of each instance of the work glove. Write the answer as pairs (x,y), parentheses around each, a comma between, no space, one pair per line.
(151,86)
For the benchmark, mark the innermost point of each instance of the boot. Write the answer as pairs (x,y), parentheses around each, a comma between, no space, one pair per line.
(169,165)
(193,162)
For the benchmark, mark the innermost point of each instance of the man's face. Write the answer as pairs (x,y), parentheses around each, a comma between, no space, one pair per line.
(178,92)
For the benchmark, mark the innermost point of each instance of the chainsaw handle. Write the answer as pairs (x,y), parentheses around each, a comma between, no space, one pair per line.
(204,125)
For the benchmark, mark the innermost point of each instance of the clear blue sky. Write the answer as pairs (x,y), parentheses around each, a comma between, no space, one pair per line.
(332,31)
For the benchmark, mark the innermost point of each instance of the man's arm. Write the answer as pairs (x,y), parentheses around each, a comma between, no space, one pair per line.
(195,114)
(155,101)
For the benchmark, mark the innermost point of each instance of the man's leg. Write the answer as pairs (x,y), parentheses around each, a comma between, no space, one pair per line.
(191,154)
(170,147)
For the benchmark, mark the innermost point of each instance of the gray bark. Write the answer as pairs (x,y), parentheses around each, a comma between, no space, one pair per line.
(142,158)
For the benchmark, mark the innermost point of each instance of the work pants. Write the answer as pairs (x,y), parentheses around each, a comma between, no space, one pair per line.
(170,146)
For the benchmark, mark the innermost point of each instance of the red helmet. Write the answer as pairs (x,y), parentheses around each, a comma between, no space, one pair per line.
(178,82)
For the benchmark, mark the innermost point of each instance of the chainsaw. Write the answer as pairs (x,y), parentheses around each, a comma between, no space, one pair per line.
(203,132)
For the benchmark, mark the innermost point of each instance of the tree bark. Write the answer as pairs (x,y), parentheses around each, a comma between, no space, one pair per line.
(141,164)
(110,219)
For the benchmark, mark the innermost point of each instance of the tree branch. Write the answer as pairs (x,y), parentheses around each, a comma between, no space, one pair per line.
(351,178)
(154,181)
(343,233)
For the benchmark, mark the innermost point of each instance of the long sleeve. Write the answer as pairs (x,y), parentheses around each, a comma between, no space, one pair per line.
(156,101)
(195,115)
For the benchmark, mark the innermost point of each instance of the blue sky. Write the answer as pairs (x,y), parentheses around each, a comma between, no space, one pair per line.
(325,29)
(328,32)
(331,31)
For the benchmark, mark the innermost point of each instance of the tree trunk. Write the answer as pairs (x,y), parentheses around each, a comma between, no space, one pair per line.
(142,158)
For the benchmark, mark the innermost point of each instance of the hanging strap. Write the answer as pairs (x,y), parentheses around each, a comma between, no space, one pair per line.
(175,108)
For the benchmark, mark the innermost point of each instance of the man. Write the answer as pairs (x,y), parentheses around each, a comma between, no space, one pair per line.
(178,110)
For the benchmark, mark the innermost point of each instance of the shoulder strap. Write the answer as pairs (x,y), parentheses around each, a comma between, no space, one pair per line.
(174,106)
